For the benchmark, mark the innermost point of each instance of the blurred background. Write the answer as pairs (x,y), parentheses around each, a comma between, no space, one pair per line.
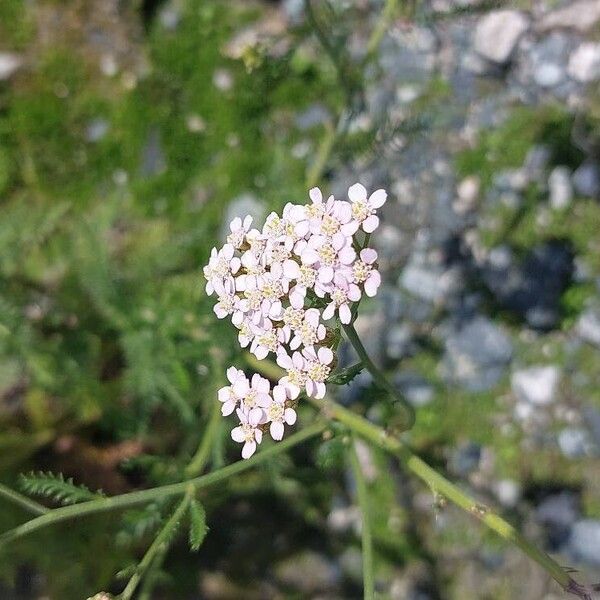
(131,132)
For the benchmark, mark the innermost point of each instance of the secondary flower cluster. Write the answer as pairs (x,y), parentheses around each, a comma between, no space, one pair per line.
(278,285)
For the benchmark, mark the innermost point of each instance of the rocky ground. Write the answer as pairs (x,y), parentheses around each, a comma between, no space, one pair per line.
(481,119)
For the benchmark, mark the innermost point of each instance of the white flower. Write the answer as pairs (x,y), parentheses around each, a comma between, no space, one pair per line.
(228,303)
(278,414)
(246,433)
(266,339)
(364,273)
(363,208)
(254,397)
(330,217)
(341,293)
(317,369)
(326,254)
(310,331)
(267,279)
(239,229)
(227,394)
(295,379)
(222,264)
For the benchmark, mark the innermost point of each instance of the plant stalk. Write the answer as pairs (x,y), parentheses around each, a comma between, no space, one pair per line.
(66,513)
(407,412)
(159,545)
(22,501)
(442,486)
(366,533)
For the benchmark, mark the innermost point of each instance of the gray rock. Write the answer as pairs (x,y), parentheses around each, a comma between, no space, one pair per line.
(508,492)
(536,162)
(314,115)
(9,64)
(548,74)
(417,390)
(497,34)
(586,179)
(557,513)
(466,459)
(534,288)
(584,543)
(96,130)
(476,354)
(536,385)
(153,157)
(560,187)
(431,284)
(581,16)
(574,442)
(308,572)
(584,63)
(399,341)
(169,17)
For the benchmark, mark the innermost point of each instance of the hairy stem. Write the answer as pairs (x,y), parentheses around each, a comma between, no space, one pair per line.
(407,413)
(440,485)
(22,501)
(75,511)
(366,534)
(161,543)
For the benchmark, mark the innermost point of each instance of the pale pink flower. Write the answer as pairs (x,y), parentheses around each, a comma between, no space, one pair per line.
(310,330)
(254,397)
(326,254)
(266,339)
(295,379)
(341,293)
(239,229)
(229,302)
(246,433)
(317,369)
(297,222)
(363,208)
(363,271)
(227,394)
(278,414)
(221,264)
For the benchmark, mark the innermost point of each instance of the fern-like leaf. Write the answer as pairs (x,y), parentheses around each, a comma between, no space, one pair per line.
(55,487)
(198,528)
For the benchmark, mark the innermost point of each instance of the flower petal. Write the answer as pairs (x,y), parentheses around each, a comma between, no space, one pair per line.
(370,224)
(357,193)
(276,430)
(377,198)
(248,449)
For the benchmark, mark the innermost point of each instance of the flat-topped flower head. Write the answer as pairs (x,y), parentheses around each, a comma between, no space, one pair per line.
(278,283)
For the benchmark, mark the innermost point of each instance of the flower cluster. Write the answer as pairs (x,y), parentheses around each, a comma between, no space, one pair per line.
(279,285)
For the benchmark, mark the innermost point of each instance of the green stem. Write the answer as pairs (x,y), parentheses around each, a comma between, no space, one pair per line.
(440,485)
(22,501)
(66,513)
(161,543)
(389,10)
(407,411)
(367,536)
(199,460)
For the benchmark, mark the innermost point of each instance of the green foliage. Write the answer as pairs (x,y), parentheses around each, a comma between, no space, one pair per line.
(55,487)
(198,528)
(345,376)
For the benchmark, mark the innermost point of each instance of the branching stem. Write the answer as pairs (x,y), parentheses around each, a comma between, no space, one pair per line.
(67,513)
